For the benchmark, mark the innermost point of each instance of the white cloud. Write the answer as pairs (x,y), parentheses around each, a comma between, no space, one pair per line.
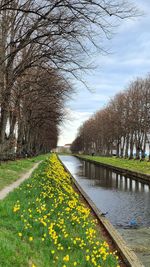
(70,126)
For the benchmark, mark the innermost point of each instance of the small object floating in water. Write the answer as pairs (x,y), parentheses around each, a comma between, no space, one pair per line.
(104,213)
(133,223)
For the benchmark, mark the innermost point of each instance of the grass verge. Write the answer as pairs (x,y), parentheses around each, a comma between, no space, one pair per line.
(12,170)
(43,223)
(132,165)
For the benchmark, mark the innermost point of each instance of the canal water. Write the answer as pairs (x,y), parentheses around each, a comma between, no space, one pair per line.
(125,201)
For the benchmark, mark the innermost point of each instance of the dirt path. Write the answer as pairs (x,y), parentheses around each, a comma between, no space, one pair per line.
(4,192)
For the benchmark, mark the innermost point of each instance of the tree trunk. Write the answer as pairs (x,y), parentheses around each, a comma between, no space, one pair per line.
(117,150)
(4,117)
(131,147)
(122,147)
(127,147)
(20,137)
(137,152)
(143,147)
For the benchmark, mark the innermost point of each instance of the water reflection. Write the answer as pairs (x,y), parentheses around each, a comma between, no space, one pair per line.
(124,199)
(109,179)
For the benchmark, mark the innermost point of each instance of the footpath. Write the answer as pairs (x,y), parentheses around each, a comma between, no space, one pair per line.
(4,192)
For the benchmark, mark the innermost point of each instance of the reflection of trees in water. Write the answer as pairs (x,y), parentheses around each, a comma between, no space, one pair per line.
(106,178)
(80,170)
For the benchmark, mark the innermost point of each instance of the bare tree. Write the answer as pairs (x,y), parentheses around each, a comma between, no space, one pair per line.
(123,126)
(50,34)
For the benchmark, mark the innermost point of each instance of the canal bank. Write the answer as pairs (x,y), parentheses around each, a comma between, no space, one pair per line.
(122,199)
(142,177)
(53,227)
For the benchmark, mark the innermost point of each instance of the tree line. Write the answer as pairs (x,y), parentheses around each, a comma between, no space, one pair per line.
(122,128)
(42,45)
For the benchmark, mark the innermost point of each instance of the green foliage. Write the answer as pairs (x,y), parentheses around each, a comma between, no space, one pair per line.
(10,171)
(43,223)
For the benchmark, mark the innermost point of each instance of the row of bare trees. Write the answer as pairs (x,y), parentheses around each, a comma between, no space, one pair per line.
(122,128)
(42,42)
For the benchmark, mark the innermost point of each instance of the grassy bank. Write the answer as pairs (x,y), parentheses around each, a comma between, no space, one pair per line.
(132,165)
(43,223)
(10,171)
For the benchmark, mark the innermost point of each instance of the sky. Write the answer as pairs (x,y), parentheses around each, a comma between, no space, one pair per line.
(128,58)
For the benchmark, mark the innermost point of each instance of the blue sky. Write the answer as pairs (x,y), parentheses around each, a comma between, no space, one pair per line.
(128,58)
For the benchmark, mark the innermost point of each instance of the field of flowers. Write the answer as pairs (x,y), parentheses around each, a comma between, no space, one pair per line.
(45,224)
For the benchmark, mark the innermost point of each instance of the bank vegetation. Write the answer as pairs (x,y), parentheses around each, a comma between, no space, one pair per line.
(122,128)
(53,228)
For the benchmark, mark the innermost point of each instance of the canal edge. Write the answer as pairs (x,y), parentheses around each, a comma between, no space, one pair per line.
(129,257)
(141,177)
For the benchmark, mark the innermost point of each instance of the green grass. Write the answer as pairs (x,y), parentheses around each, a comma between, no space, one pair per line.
(55,228)
(132,165)
(12,170)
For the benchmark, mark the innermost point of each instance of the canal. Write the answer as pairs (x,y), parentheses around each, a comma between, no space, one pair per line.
(125,201)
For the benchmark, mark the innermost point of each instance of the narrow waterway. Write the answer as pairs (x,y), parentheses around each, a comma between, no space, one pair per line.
(125,201)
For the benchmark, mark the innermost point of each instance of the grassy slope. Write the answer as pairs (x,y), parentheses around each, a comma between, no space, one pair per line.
(12,170)
(43,203)
(133,165)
